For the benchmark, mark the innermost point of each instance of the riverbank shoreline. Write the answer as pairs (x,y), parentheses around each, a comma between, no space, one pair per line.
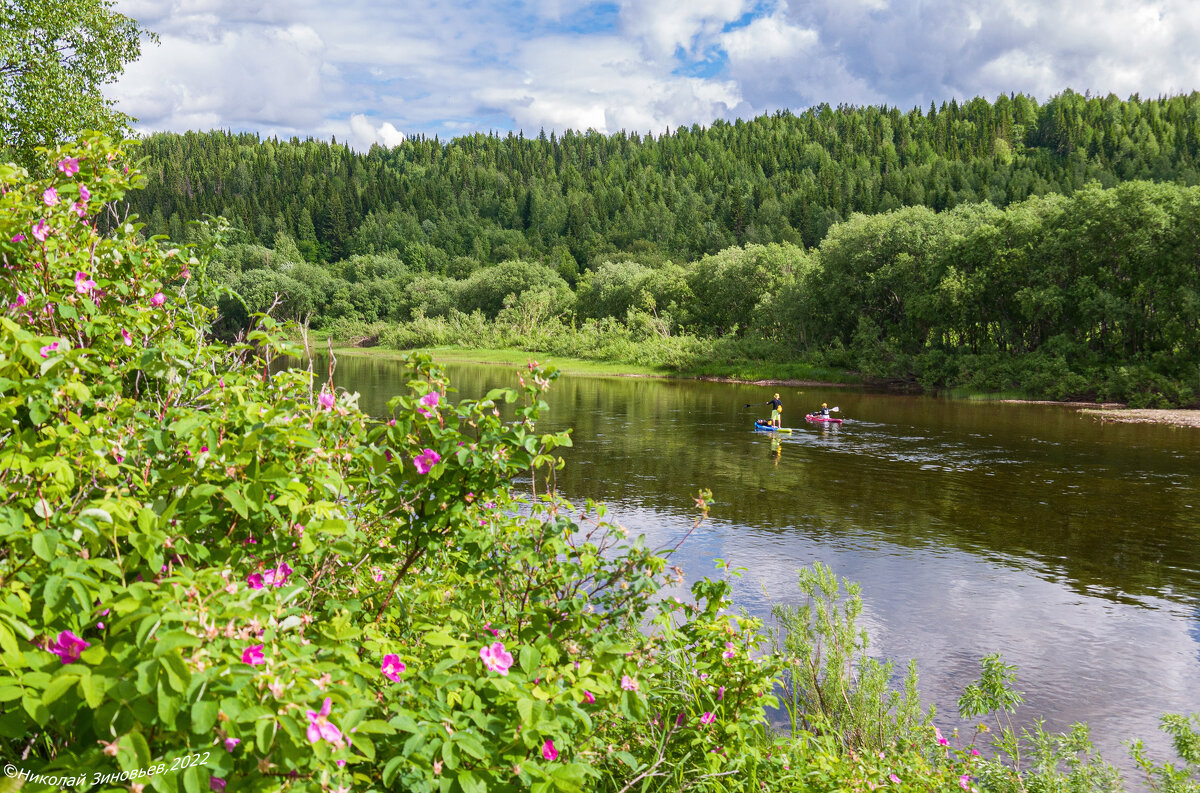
(753,375)
(1184,419)
(1107,412)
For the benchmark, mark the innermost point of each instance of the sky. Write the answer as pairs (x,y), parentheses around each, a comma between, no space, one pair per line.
(374,71)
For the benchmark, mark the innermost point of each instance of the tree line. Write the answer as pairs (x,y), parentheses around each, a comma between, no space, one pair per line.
(1091,295)
(577,200)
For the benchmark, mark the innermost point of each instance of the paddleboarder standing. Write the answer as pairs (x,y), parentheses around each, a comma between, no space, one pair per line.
(776,411)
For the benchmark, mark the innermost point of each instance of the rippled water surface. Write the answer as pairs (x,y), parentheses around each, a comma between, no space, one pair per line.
(1070,546)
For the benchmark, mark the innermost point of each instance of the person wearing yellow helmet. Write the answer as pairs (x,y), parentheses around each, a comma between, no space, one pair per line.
(825,409)
(776,411)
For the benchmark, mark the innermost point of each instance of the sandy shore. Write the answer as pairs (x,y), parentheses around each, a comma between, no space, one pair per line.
(1174,418)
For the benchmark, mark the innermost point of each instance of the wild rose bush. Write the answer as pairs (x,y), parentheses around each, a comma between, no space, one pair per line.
(201,556)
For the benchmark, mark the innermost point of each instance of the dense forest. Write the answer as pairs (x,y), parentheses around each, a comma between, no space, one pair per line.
(582,198)
(1049,250)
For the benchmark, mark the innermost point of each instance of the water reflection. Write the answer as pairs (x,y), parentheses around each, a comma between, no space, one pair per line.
(1070,546)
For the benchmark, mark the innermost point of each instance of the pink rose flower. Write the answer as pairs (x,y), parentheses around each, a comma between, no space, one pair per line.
(326,400)
(18,238)
(158,299)
(83,283)
(216,784)
(319,727)
(68,646)
(21,299)
(41,231)
(255,580)
(729,651)
(277,576)
(125,337)
(430,401)
(707,718)
(938,734)
(230,743)
(84,193)
(392,667)
(426,460)
(895,779)
(69,165)
(964,781)
(253,655)
(628,683)
(49,348)
(548,750)
(589,698)
(50,197)
(496,659)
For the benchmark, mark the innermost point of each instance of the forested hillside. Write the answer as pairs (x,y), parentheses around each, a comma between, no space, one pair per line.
(1042,250)
(580,199)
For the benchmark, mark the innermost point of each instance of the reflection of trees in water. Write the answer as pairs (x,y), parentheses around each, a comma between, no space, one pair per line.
(1079,500)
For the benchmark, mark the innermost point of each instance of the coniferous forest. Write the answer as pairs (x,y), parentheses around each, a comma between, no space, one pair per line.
(1048,249)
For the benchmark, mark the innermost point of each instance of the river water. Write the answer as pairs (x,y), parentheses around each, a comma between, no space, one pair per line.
(1070,546)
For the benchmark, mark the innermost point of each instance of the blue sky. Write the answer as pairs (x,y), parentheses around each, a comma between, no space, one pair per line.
(374,70)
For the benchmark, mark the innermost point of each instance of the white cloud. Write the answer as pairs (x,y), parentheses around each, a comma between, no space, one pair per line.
(663,26)
(255,75)
(768,39)
(602,83)
(363,133)
(308,67)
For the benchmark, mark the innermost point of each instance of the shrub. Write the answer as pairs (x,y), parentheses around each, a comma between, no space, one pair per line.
(203,560)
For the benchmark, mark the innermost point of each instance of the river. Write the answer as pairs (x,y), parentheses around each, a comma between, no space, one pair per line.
(1070,546)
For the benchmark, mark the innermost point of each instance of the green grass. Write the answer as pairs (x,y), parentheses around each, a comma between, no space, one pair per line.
(570,366)
(748,371)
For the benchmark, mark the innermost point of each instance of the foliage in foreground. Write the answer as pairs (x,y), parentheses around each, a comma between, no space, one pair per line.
(201,558)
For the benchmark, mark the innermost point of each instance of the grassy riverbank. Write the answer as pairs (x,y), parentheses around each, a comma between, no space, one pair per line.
(742,372)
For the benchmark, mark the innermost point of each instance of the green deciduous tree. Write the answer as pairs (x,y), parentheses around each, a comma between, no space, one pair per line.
(55,57)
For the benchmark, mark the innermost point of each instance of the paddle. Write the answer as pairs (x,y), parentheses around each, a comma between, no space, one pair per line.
(756,404)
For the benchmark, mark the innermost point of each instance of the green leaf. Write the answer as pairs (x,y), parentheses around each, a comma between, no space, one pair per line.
(191,779)
(233,494)
(470,783)
(93,687)
(58,686)
(525,711)
(11,521)
(470,744)
(204,716)
(44,543)
(97,514)
(53,594)
(392,766)
(264,734)
(530,659)
(178,675)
